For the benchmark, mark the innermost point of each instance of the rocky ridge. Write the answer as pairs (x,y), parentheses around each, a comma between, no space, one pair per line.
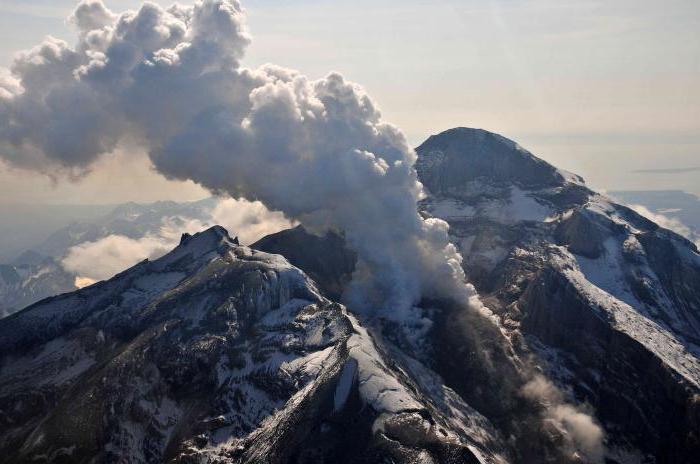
(218,353)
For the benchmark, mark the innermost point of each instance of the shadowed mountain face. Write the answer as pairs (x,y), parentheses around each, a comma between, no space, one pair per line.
(462,155)
(325,259)
(222,353)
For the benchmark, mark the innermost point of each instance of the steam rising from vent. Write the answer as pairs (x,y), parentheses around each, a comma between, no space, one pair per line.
(171,81)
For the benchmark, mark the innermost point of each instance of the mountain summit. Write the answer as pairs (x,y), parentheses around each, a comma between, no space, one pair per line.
(608,301)
(452,158)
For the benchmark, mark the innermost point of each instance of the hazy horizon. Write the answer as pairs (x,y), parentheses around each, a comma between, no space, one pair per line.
(606,91)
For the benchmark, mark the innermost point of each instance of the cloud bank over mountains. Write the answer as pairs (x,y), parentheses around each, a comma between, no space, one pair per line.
(102,259)
(170,81)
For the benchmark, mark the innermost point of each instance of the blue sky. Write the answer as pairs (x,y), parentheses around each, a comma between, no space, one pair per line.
(602,88)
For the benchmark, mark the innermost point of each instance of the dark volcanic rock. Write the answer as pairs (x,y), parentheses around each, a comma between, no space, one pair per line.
(456,156)
(217,353)
(581,235)
(327,260)
(629,384)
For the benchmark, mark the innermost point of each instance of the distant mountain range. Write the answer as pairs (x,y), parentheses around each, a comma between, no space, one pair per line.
(588,349)
(24,226)
(31,279)
(37,272)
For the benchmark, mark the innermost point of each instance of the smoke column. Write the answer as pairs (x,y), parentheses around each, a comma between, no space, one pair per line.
(171,81)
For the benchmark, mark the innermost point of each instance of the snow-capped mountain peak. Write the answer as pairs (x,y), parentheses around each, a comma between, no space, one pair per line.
(609,301)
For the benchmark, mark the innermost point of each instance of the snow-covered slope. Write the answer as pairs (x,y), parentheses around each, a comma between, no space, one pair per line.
(218,353)
(608,300)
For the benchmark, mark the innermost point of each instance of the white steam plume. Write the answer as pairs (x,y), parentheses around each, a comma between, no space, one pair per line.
(171,81)
(248,220)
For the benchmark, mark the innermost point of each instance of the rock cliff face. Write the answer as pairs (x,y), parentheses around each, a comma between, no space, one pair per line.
(607,300)
(218,353)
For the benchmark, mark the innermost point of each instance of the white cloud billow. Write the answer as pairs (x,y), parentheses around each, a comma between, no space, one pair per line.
(103,258)
(170,80)
(248,220)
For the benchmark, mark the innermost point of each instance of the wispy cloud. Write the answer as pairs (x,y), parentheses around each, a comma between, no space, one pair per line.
(684,170)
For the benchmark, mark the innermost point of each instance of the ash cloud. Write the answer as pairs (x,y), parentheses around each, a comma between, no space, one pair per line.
(543,423)
(171,81)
